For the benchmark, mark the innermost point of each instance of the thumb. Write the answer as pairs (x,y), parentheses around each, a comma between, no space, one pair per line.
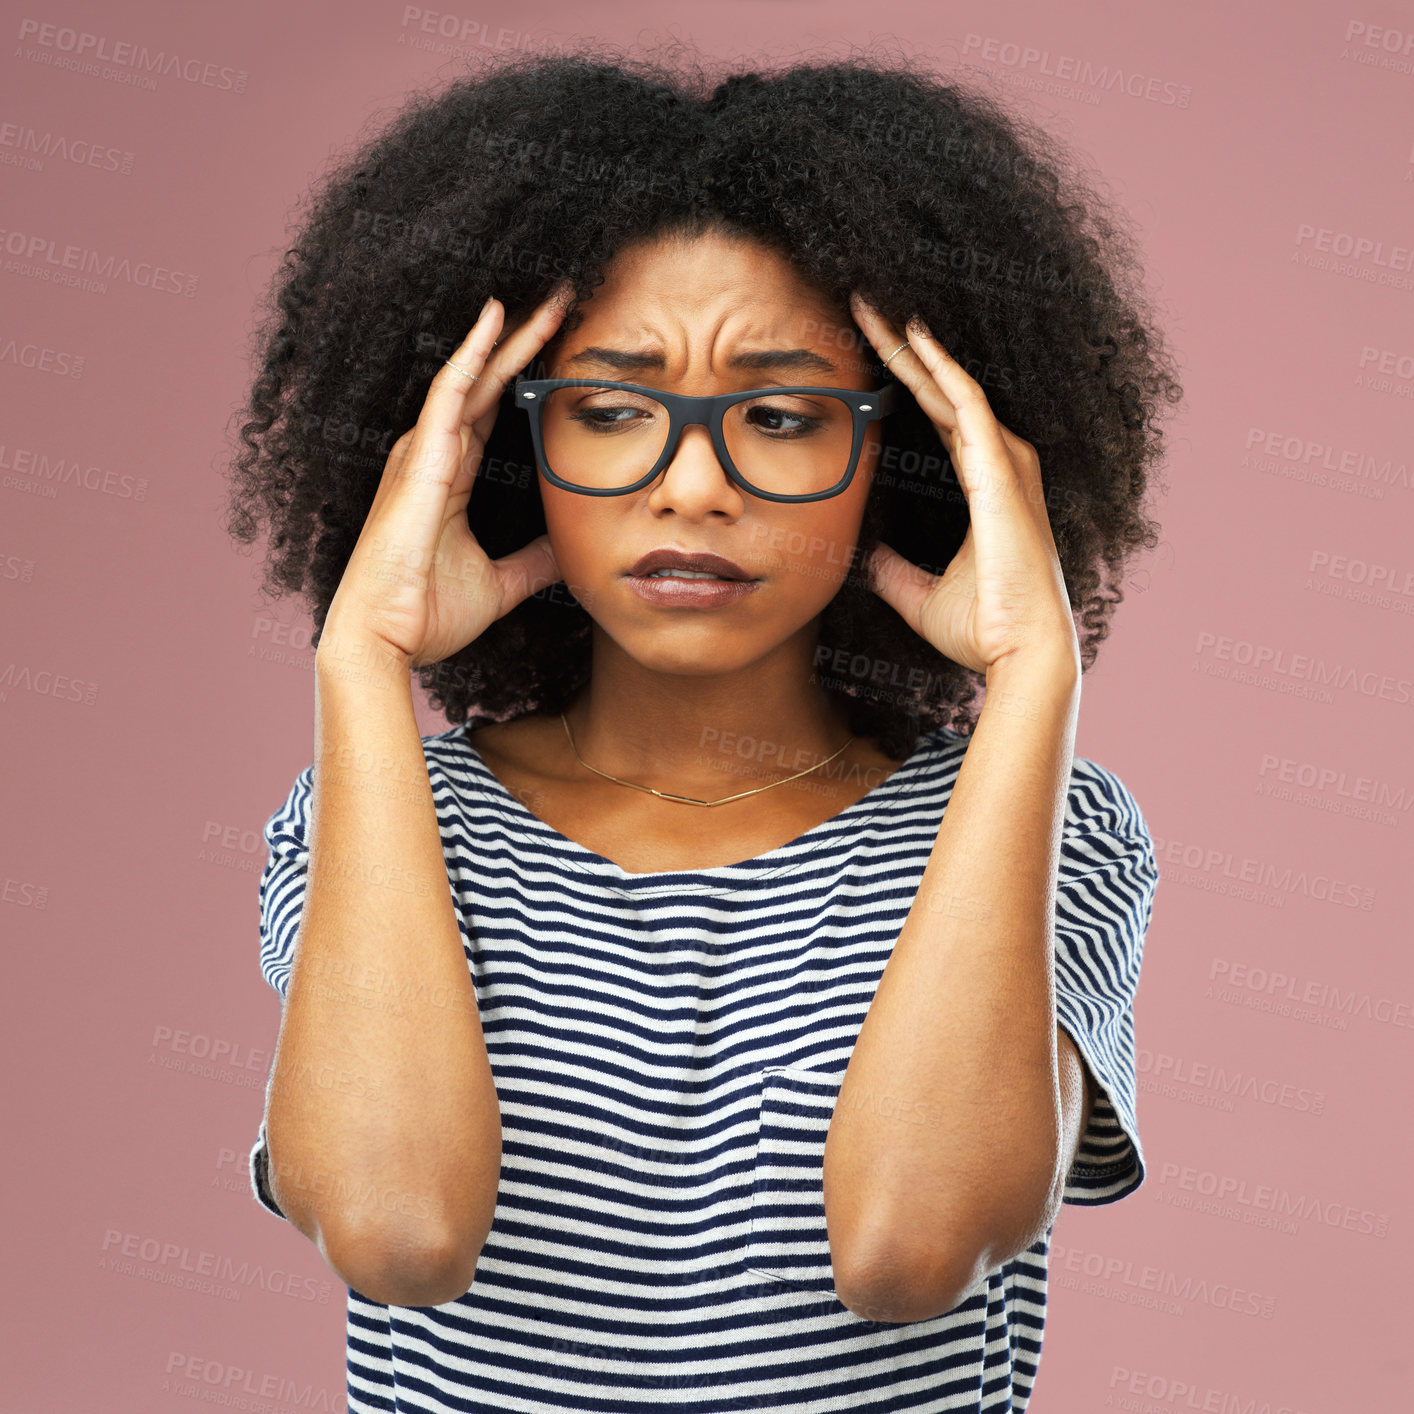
(900,584)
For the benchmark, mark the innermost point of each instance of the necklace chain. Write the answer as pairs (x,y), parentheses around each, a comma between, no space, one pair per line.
(687,799)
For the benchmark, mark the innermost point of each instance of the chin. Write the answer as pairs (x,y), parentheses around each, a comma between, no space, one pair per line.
(682,649)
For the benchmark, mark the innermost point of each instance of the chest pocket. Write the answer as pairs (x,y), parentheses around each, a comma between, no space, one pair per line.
(788,1239)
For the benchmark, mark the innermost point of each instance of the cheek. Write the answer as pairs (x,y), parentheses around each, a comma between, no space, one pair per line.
(819,551)
(578,533)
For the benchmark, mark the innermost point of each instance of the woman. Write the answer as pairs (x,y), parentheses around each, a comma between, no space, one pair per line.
(717,1015)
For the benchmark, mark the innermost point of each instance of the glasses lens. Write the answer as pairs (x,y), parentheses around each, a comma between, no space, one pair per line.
(793,444)
(604,438)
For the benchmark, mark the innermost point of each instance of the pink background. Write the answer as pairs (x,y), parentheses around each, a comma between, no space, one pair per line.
(1255,692)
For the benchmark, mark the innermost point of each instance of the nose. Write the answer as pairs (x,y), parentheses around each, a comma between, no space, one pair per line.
(694,482)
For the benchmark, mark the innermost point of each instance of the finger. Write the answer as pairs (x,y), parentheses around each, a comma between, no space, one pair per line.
(427,460)
(905,365)
(465,392)
(900,584)
(526,571)
(512,352)
(1011,457)
(986,457)
(973,414)
(455,383)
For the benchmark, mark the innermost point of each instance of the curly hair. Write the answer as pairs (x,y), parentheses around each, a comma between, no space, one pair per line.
(928,197)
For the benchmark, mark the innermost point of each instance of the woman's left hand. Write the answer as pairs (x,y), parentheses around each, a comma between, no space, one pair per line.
(1003,595)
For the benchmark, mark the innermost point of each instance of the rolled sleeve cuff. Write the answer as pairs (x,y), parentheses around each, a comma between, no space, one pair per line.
(260,1175)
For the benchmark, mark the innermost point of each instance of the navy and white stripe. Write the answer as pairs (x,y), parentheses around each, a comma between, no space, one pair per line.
(667,1050)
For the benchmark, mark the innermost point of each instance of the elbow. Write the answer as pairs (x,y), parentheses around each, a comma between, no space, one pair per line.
(396,1271)
(904,1282)
(897,1276)
(387,1259)
(894,1289)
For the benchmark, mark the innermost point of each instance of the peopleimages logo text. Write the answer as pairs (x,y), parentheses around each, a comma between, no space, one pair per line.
(1283,663)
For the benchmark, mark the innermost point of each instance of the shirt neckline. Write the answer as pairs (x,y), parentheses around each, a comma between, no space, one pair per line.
(720,877)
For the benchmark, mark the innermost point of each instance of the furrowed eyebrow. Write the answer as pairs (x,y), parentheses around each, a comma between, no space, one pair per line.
(626,361)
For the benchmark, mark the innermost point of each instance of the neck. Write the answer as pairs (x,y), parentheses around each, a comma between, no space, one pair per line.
(705,734)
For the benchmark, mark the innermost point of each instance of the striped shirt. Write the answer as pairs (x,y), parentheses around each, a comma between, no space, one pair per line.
(667,1049)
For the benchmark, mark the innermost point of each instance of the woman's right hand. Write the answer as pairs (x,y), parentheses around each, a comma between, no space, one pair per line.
(417,584)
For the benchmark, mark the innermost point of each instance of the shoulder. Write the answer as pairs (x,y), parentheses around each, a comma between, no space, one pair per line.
(1107,857)
(520,738)
(528,742)
(287,829)
(1099,801)
(444,752)
(939,746)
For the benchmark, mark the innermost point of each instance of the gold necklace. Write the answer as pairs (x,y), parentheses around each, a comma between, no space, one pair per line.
(687,799)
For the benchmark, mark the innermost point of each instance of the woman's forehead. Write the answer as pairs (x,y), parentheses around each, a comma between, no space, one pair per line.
(708,274)
(731,322)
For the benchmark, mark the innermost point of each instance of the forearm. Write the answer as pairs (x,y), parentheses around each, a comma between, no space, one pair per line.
(383,1122)
(962,1027)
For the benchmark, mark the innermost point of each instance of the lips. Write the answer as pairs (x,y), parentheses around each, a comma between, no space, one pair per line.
(702,561)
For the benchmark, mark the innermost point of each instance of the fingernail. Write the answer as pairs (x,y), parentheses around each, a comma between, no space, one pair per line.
(919,327)
(486,306)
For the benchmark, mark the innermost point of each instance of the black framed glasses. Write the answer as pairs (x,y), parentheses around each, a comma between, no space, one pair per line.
(783,444)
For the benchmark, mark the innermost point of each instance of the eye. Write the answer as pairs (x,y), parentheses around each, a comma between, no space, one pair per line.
(783,421)
(606,409)
(605,416)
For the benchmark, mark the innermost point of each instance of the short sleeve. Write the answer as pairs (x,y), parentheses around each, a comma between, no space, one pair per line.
(1104,900)
(260,1175)
(282,886)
